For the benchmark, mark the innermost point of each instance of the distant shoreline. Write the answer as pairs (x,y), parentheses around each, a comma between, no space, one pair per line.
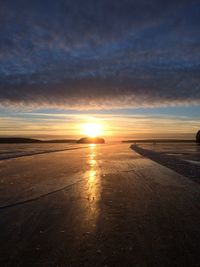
(19,140)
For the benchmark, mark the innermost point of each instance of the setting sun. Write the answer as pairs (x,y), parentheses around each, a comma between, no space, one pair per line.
(92,129)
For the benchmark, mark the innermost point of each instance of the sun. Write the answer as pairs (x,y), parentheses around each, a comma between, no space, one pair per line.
(92,129)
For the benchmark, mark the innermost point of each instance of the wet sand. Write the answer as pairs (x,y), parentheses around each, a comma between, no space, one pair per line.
(98,206)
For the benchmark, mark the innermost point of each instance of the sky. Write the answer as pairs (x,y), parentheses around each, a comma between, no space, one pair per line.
(132,66)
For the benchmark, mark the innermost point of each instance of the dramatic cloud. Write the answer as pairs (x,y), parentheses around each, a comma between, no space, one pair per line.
(99,54)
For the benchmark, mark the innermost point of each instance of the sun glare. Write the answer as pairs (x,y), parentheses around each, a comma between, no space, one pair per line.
(92,129)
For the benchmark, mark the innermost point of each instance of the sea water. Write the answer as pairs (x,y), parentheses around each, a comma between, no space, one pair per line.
(8,151)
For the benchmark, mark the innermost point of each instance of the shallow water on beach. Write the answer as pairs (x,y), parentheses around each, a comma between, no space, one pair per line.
(8,151)
(185,151)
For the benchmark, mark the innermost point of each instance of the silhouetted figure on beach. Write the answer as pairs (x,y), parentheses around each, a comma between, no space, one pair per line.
(198,137)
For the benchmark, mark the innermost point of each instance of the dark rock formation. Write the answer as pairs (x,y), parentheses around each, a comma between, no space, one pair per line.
(91,140)
(198,137)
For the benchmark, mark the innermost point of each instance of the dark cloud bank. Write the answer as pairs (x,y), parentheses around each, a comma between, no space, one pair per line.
(99,54)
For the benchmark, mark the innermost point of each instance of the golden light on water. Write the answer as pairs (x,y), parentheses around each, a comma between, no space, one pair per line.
(92,163)
(91,193)
(93,183)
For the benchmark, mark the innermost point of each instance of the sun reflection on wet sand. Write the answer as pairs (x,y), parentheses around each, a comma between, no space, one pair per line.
(93,186)
(92,173)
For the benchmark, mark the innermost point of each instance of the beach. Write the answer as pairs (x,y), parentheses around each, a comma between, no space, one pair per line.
(104,205)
